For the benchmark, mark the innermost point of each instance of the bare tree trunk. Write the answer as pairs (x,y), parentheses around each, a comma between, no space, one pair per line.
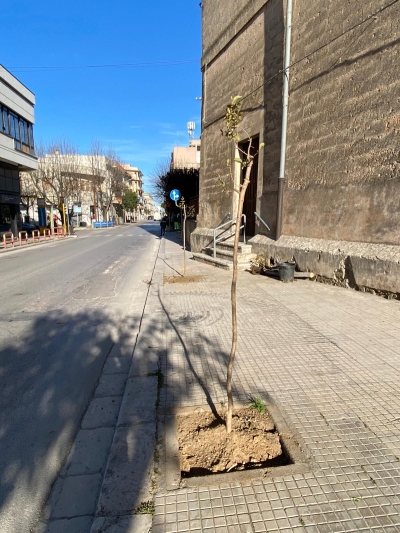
(233,297)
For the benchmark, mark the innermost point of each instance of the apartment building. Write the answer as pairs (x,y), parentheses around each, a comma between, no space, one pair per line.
(135,183)
(17,149)
(186,156)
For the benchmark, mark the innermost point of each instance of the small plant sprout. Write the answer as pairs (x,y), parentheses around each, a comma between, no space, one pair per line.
(257,404)
(145,508)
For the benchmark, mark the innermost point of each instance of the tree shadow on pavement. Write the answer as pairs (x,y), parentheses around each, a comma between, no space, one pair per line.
(192,367)
(48,378)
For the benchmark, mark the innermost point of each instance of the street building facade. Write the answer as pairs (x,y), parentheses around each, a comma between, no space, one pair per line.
(150,208)
(186,156)
(90,186)
(342,173)
(135,183)
(17,149)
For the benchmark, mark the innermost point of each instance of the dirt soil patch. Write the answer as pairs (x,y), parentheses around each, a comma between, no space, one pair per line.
(205,447)
(181,279)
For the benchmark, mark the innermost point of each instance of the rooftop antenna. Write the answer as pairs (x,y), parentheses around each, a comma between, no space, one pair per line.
(191,126)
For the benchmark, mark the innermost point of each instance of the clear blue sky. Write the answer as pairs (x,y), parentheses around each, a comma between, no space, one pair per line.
(141,111)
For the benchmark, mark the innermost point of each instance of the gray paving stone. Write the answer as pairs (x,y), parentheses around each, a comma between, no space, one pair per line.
(145,361)
(78,496)
(124,524)
(80,524)
(102,412)
(117,364)
(139,401)
(127,481)
(111,385)
(90,451)
(124,347)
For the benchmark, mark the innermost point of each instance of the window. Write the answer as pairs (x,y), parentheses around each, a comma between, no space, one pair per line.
(23,125)
(31,143)
(4,123)
(18,128)
(23,128)
(14,130)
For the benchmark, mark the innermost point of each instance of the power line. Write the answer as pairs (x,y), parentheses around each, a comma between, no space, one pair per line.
(373,15)
(116,65)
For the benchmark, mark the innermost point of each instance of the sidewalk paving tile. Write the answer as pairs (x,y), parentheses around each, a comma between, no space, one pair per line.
(328,357)
(111,385)
(89,452)
(128,478)
(77,497)
(102,412)
(139,400)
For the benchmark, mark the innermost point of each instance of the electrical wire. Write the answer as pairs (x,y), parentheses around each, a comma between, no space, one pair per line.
(303,58)
(117,65)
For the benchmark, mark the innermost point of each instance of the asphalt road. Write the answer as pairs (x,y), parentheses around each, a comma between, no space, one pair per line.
(61,306)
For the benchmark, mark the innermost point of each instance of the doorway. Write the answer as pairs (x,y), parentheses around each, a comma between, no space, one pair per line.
(250,199)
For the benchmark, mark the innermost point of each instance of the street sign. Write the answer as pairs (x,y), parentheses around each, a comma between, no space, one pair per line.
(77,209)
(175,195)
(41,202)
(42,217)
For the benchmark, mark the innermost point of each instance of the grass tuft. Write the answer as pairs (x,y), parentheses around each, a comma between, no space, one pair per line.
(257,404)
(145,508)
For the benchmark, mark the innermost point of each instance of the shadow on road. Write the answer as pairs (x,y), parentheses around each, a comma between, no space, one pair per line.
(48,377)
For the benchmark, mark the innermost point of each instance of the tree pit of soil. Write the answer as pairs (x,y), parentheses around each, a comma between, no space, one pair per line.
(181,279)
(205,447)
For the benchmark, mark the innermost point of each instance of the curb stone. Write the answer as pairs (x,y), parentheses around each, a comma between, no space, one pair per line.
(126,524)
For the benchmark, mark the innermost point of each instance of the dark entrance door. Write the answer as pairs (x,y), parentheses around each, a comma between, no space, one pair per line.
(250,198)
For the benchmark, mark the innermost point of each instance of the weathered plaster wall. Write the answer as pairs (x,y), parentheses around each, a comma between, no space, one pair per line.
(233,64)
(344,114)
(343,131)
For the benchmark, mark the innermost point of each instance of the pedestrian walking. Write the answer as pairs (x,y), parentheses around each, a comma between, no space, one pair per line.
(163,225)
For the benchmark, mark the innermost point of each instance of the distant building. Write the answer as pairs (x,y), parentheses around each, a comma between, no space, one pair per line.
(150,208)
(135,183)
(90,185)
(186,156)
(17,150)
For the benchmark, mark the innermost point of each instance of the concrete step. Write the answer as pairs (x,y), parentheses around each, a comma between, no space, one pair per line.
(220,263)
(204,258)
(228,245)
(227,255)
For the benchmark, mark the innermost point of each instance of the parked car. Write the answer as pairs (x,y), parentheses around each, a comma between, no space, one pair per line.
(27,226)
(150,217)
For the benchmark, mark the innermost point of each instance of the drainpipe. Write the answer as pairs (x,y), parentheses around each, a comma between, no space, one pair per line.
(281,180)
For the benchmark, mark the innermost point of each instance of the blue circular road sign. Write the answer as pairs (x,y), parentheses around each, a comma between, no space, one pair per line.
(175,195)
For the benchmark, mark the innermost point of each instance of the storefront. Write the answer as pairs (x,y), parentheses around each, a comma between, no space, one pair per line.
(9,198)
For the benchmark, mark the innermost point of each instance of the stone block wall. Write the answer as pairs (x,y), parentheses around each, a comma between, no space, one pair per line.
(363,266)
(344,114)
(343,165)
(235,63)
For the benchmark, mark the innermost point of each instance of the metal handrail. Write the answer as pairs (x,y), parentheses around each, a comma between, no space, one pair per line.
(231,221)
(265,224)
